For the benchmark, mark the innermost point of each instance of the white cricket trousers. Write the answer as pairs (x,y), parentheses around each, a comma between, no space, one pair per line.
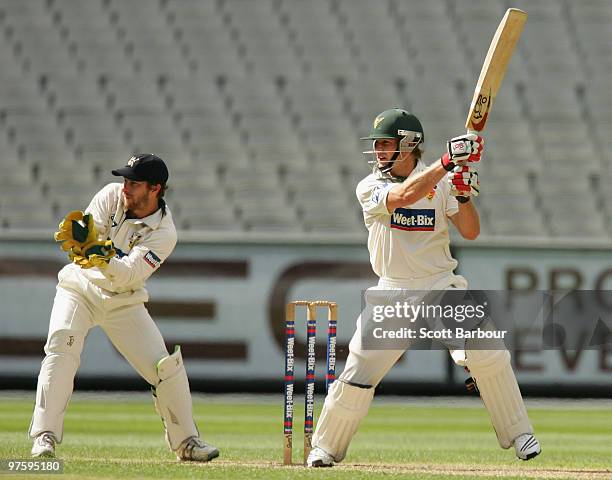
(368,367)
(348,399)
(79,305)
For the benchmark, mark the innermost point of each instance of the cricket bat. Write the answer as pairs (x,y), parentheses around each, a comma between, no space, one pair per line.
(494,68)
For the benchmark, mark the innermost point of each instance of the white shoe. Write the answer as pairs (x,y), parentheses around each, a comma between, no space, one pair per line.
(526,446)
(319,458)
(195,450)
(44,445)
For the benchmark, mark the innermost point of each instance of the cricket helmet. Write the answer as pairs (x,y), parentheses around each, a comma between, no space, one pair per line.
(400,125)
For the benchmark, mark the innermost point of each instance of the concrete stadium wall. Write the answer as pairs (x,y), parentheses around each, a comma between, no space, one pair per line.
(224,304)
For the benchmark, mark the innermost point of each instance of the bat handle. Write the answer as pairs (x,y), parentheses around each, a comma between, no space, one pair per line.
(473,131)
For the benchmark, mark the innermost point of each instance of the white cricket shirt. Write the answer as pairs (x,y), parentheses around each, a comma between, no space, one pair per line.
(142,244)
(412,241)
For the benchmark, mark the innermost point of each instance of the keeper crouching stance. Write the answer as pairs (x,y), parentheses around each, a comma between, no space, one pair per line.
(124,235)
(409,253)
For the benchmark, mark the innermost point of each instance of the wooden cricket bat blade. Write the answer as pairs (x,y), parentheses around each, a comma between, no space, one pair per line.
(494,68)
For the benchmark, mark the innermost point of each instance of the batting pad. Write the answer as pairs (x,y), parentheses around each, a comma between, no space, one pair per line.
(173,400)
(344,408)
(55,382)
(500,393)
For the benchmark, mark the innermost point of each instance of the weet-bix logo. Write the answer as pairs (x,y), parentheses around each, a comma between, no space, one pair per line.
(153,260)
(414,219)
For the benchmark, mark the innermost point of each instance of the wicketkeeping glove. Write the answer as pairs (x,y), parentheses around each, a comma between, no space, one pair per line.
(464,183)
(461,150)
(93,254)
(75,230)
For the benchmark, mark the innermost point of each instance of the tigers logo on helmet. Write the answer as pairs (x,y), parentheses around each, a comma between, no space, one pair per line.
(377,121)
(431,194)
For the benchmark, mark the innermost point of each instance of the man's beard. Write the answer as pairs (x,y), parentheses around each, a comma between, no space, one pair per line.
(134,204)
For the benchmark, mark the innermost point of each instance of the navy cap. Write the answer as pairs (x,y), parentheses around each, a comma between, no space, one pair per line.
(144,167)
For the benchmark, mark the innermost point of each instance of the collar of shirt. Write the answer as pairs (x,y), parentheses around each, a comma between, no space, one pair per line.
(152,221)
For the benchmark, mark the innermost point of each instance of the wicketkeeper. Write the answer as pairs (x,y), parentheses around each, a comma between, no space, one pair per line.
(121,239)
(409,257)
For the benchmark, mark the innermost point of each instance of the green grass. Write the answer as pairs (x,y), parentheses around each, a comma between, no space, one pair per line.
(121,438)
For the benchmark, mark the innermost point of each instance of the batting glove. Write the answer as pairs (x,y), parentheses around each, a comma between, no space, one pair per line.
(464,183)
(461,150)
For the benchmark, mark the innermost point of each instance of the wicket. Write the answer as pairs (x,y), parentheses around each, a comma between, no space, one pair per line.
(311,331)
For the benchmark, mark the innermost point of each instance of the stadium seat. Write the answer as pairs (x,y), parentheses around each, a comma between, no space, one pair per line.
(133,94)
(257,218)
(220,57)
(47,152)
(52,174)
(316,34)
(504,181)
(568,179)
(548,101)
(193,95)
(484,11)
(73,93)
(432,52)
(145,13)
(274,96)
(327,221)
(18,10)
(206,209)
(518,222)
(42,51)
(252,187)
(262,38)
(159,60)
(154,124)
(578,226)
(435,98)
(18,176)
(76,197)
(205,220)
(542,10)
(103,155)
(31,212)
(598,100)
(187,179)
(426,11)
(76,13)
(19,93)
(366,98)
(362,21)
(213,138)
(335,210)
(86,125)
(152,47)
(174,152)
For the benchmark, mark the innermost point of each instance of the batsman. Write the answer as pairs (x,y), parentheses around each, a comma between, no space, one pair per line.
(119,241)
(408,208)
